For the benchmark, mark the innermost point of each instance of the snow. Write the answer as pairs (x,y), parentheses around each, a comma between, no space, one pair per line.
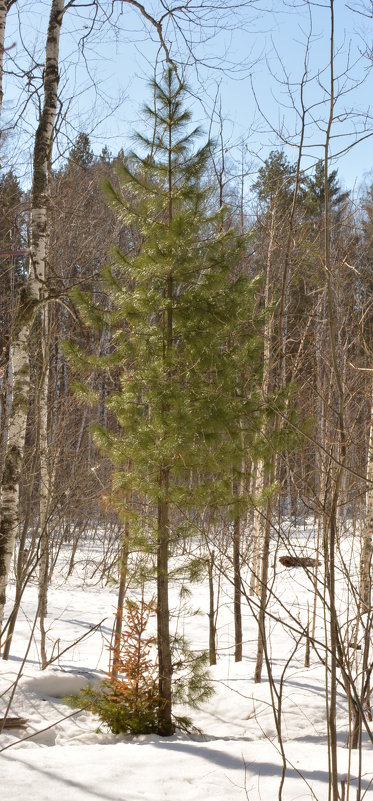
(67,754)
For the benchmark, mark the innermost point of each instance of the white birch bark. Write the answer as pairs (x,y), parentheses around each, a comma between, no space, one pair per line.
(33,293)
(3,13)
(45,487)
(255,584)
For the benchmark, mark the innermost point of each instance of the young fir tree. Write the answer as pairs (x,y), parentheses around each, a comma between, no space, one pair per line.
(185,343)
(128,703)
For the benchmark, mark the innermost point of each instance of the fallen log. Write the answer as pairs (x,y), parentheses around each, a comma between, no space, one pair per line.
(13,723)
(298,561)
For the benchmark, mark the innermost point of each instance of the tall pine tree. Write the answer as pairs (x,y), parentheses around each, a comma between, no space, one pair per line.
(185,343)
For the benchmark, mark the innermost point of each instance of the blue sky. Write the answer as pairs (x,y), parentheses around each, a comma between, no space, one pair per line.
(252,63)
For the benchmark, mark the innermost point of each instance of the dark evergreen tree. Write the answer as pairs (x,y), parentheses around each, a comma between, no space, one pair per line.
(13,248)
(81,152)
(106,155)
(315,191)
(186,346)
(275,181)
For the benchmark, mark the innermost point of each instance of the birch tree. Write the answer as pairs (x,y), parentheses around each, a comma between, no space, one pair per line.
(5,5)
(33,295)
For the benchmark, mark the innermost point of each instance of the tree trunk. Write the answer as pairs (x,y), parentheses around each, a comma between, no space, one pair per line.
(257,530)
(120,602)
(23,569)
(33,293)
(45,487)
(366,546)
(212,623)
(14,452)
(3,13)
(263,598)
(262,476)
(237,575)
(165,724)
(329,548)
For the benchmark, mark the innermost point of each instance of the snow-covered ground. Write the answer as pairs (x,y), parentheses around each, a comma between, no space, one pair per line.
(66,755)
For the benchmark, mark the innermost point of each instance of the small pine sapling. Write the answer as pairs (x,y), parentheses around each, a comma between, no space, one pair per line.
(192,684)
(128,702)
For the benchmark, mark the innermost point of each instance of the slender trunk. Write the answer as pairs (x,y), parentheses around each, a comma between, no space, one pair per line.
(263,598)
(33,293)
(254,532)
(6,407)
(23,568)
(45,487)
(257,529)
(20,587)
(330,547)
(120,603)
(74,549)
(329,551)
(366,546)
(212,623)
(308,643)
(262,476)
(237,489)
(3,13)
(11,624)
(365,597)
(237,590)
(316,578)
(165,724)
(9,523)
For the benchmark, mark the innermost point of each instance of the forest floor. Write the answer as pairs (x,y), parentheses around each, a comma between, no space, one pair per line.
(67,755)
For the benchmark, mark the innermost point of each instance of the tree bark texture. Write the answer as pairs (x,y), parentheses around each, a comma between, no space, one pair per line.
(263,596)
(260,482)
(45,485)
(32,295)
(237,577)
(3,13)
(212,613)
(262,539)
(366,546)
(120,603)
(165,725)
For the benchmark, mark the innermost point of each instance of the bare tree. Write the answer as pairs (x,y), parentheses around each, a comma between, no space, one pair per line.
(34,293)
(5,5)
